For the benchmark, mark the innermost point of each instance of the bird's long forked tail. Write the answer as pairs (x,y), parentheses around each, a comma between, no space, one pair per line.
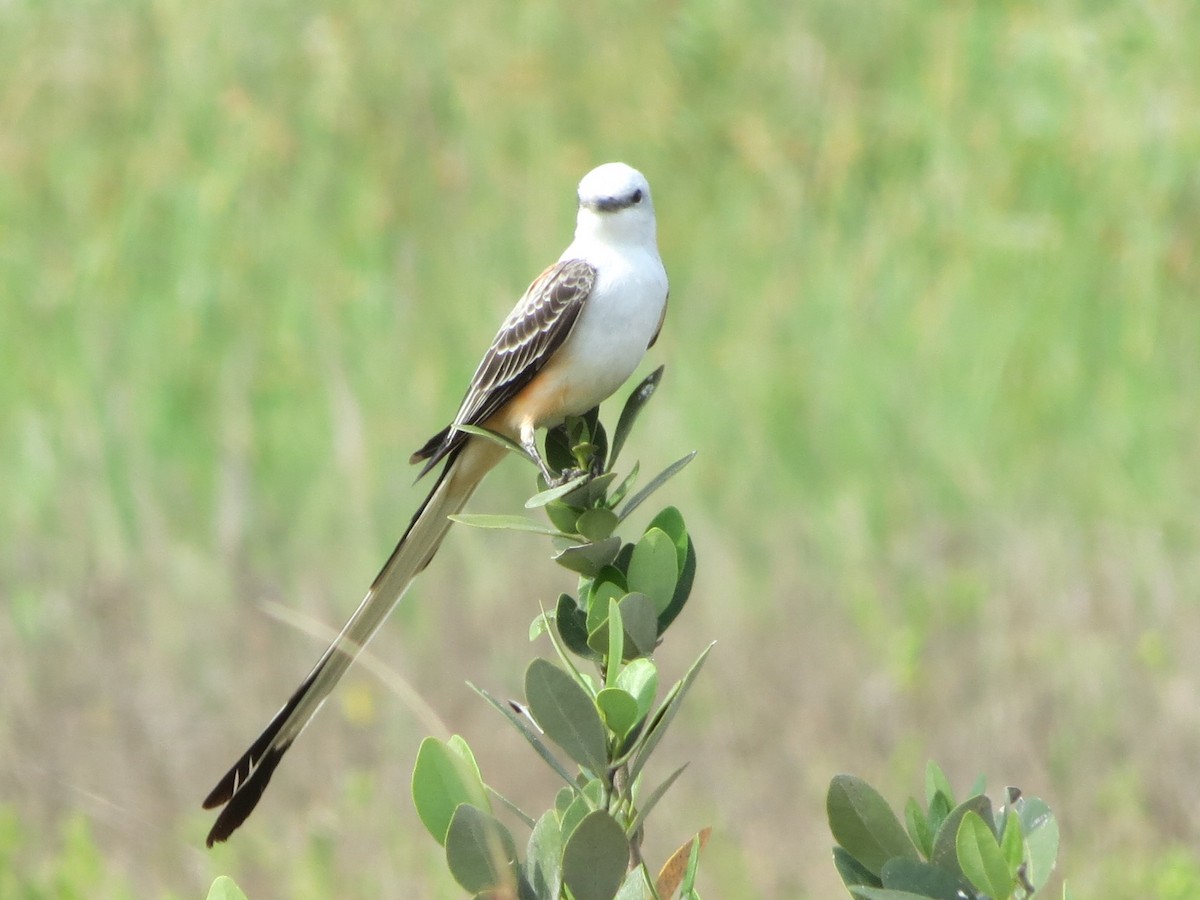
(243,785)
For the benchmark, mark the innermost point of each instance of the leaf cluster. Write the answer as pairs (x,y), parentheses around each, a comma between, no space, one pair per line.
(944,850)
(595,729)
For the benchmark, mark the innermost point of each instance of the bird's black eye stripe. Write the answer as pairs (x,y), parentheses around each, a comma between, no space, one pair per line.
(637,196)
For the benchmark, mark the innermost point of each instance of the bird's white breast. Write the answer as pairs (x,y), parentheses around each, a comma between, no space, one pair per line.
(617,322)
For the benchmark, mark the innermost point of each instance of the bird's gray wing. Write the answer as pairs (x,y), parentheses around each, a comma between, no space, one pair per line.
(533,331)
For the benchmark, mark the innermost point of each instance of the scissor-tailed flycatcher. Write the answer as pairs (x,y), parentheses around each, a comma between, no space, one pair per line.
(575,336)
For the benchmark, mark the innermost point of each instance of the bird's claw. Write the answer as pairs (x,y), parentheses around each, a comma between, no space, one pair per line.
(562,477)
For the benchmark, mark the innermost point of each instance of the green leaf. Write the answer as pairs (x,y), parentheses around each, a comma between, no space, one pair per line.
(543,857)
(618,709)
(509,523)
(522,725)
(480,851)
(597,524)
(566,713)
(918,827)
(603,594)
(618,493)
(459,745)
(496,438)
(641,625)
(592,432)
(852,871)
(563,516)
(653,570)
(592,491)
(980,858)
(224,888)
(936,782)
(693,864)
(589,559)
(670,521)
(1012,844)
(564,798)
(658,481)
(574,814)
(1040,830)
(616,643)
(595,858)
(442,780)
(925,879)
(863,823)
(640,679)
(652,801)
(558,448)
(945,840)
(939,810)
(630,411)
(683,589)
(874,893)
(572,627)
(613,574)
(561,490)
(654,732)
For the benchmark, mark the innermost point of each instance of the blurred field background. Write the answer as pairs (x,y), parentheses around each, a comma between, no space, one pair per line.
(934,330)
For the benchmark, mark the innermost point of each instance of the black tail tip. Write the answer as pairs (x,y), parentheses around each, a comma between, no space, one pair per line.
(241,802)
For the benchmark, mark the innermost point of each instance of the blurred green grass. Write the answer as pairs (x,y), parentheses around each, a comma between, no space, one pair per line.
(933,329)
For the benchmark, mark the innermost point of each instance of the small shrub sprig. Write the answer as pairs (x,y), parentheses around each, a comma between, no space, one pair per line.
(944,851)
(606,723)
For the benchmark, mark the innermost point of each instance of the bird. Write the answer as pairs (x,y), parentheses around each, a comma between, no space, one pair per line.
(576,335)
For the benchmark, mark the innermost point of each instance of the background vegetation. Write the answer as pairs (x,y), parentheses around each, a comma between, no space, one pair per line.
(934,329)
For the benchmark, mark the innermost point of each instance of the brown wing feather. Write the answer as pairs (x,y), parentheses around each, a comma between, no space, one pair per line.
(535,328)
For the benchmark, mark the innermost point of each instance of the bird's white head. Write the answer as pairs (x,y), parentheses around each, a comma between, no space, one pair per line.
(615,204)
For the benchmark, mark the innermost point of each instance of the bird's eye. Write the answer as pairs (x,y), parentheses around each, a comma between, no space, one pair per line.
(637,196)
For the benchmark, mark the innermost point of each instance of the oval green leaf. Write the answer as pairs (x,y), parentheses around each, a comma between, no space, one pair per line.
(619,710)
(1012,844)
(543,856)
(852,871)
(595,858)
(653,570)
(923,878)
(918,827)
(863,823)
(640,621)
(980,857)
(571,622)
(566,713)
(559,490)
(1040,829)
(442,780)
(640,679)
(563,516)
(480,851)
(589,559)
(945,841)
(683,589)
(602,594)
(597,525)
(575,812)
(670,521)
